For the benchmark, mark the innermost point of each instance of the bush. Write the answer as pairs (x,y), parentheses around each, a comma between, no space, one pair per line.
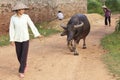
(117,28)
(94,6)
(113,5)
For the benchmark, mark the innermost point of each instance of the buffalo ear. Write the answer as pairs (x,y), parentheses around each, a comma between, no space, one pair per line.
(63,26)
(79,25)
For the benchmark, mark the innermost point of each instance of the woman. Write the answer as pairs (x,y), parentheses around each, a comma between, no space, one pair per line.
(19,35)
(107,13)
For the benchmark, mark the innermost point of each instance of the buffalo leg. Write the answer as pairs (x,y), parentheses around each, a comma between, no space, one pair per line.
(75,48)
(70,46)
(84,44)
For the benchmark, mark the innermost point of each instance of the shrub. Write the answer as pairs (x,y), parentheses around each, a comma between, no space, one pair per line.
(117,28)
(113,5)
(94,7)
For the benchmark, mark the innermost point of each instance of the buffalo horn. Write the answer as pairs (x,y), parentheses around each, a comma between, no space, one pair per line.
(80,25)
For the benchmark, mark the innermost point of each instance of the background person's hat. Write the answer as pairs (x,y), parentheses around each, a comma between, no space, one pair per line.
(104,6)
(19,5)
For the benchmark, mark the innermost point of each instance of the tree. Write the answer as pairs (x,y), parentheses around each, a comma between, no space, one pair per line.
(117,28)
(113,5)
(103,1)
(94,6)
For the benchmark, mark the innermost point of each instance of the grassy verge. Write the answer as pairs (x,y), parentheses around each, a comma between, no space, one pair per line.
(4,40)
(44,30)
(112,58)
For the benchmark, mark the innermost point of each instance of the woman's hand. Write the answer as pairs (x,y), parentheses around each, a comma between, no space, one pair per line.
(12,43)
(40,37)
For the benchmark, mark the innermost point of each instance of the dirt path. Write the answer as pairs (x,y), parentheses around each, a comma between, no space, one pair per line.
(50,58)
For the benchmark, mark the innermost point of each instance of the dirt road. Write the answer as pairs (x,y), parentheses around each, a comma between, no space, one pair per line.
(50,58)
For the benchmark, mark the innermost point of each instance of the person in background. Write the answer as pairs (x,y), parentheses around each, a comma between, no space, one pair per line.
(19,35)
(60,15)
(107,13)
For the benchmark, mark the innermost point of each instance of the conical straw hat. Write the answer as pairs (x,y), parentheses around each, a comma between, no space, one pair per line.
(19,5)
(104,6)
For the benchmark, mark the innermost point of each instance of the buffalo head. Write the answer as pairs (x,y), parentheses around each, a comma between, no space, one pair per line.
(70,30)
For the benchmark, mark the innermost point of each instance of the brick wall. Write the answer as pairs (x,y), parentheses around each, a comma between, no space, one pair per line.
(41,10)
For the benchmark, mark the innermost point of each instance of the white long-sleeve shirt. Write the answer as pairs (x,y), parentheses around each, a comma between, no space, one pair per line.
(18,29)
(60,15)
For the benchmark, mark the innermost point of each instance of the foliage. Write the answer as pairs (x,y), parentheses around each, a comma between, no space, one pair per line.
(117,28)
(95,6)
(113,5)
(112,58)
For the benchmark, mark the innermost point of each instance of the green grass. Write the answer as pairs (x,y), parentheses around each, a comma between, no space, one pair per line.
(112,58)
(45,31)
(4,40)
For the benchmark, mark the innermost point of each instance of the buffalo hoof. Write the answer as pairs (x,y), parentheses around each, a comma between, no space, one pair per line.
(61,35)
(76,54)
(84,47)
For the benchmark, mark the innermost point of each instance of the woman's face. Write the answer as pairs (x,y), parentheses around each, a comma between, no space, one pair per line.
(21,11)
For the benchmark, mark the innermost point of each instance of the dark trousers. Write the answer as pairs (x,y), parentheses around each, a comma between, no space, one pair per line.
(107,20)
(22,52)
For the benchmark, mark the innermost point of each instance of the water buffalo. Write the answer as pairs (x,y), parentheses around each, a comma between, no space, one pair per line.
(77,28)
